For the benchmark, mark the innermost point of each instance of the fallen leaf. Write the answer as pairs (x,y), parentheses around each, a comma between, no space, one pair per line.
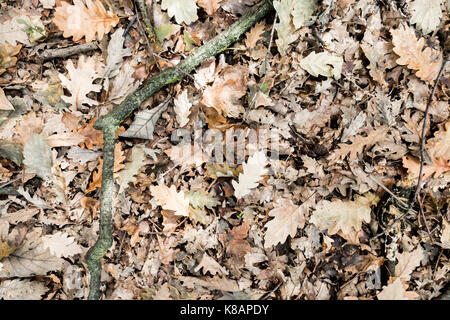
(90,20)
(288,217)
(182,108)
(253,171)
(425,61)
(131,169)
(4,103)
(397,291)
(426,14)
(407,262)
(61,245)
(210,265)
(22,289)
(344,216)
(80,83)
(144,122)
(37,157)
(210,6)
(170,199)
(323,64)
(183,10)
(237,246)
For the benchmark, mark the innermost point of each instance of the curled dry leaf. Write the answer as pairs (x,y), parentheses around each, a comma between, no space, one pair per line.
(90,20)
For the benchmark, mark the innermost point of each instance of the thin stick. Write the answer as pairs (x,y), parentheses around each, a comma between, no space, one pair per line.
(424,127)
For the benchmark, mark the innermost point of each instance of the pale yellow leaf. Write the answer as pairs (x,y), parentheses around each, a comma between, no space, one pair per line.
(170,199)
(253,171)
(426,14)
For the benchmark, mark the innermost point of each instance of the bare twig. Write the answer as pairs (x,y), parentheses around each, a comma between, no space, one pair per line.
(68,51)
(424,127)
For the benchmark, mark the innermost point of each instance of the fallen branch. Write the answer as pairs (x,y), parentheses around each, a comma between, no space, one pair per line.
(68,51)
(110,123)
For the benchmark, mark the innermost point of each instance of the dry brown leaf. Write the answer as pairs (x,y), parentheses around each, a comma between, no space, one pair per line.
(407,262)
(226,91)
(215,283)
(358,144)
(7,53)
(6,249)
(439,166)
(396,290)
(288,217)
(4,103)
(210,265)
(80,83)
(342,216)
(29,126)
(238,247)
(210,6)
(254,35)
(90,20)
(93,137)
(425,61)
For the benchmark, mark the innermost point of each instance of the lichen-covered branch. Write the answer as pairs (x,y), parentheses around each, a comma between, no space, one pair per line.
(110,122)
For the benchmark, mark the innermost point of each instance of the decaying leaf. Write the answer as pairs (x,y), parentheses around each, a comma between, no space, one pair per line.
(397,291)
(90,20)
(37,157)
(210,265)
(116,53)
(7,56)
(226,91)
(61,245)
(22,289)
(210,6)
(144,122)
(131,169)
(29,259)
(407,262)
(182,108)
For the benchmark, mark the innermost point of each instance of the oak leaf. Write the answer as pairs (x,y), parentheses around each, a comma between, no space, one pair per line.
(170,199)
(237,246)
(407,262)
(116,53)
(253,171)
(323,64)
(341,217)
(288,217)
(182,108)
(90,20)
(210,265)
(425,61)
(396,290)
(80,83)
(22,289)
(7,56)
(210,6)
(226,91)
(29,259)
(131,169)
(61,245)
